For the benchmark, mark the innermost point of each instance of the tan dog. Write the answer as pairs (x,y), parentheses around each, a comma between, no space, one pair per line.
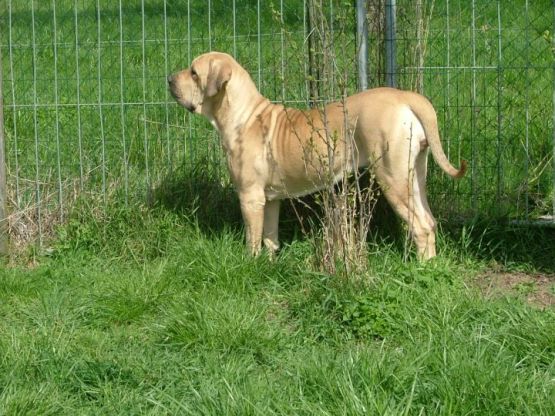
(275,152)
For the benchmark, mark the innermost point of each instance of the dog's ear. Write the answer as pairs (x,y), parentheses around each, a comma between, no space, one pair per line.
(218,75)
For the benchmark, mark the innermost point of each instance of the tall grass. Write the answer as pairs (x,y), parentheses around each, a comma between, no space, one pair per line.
(148,311)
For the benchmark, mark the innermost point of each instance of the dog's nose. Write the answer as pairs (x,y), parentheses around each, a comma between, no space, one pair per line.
(170,79)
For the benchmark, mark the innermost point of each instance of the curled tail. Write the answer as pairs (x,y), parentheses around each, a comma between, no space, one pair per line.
(425,112)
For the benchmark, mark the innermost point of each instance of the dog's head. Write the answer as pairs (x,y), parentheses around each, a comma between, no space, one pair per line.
(202,82)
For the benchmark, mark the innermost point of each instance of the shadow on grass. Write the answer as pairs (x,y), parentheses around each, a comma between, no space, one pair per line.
(514,247)
(199,192)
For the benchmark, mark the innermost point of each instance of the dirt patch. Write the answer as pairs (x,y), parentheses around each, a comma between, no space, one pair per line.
(536,288)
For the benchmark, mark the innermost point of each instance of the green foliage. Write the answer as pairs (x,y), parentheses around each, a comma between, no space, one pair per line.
(202,328)
(371,317)
(153,307)
(109,231)
(516,247)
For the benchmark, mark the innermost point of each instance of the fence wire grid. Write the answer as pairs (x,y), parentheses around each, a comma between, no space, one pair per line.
(87,111)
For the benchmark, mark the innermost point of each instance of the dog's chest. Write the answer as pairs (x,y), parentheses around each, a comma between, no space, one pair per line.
(247,160)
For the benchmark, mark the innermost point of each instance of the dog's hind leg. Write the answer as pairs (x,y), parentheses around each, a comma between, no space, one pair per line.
(421,203)
(406,194)
(421,229)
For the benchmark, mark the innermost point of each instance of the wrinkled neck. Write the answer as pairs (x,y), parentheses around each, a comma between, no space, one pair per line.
(232,109)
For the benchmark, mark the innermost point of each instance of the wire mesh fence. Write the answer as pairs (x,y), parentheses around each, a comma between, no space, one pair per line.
(488,69)
(87,112)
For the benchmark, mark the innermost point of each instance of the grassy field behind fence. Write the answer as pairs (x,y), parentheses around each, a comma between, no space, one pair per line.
(86,105)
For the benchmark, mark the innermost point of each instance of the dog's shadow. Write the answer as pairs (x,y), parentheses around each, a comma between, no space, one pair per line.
(498,242)
(211,202)
(207,197)
(197,191)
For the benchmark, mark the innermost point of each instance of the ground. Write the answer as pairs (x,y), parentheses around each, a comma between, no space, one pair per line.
(536,288)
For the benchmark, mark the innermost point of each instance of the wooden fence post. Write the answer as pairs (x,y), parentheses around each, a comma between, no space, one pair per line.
(3,216)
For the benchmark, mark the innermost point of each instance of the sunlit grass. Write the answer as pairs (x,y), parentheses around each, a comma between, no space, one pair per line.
(143,299)
(191,324)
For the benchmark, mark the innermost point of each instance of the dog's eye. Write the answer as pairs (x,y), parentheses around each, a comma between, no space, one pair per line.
(194,74)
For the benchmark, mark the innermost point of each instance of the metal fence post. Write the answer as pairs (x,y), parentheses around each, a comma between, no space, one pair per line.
(3,219)
(362,45)
(313,64)
(390,44)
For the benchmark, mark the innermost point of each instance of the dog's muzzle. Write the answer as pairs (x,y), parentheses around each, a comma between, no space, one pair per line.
(189,106)
(173,90)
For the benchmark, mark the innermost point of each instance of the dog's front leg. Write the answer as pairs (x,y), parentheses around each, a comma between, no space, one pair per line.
(252,207)
(271,220)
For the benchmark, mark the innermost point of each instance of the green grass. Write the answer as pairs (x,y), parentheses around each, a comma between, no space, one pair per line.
(146,311)
(151,306)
